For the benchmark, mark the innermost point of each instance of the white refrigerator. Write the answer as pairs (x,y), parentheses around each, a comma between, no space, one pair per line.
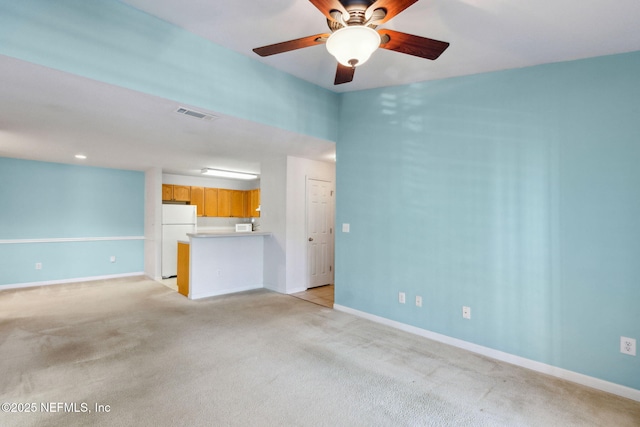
(177,221)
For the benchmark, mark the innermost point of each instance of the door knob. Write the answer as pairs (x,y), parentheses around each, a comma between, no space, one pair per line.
(311,239)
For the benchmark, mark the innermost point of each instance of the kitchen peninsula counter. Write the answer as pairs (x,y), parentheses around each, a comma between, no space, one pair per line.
(229,234)
(223,262)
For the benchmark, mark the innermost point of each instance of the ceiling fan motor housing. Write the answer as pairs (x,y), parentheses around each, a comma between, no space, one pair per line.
(357,10)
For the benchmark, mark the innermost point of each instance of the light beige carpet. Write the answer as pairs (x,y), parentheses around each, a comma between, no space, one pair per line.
(256,359)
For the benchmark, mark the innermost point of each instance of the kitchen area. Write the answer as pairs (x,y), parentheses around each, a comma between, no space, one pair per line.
(212,243)
(284,258)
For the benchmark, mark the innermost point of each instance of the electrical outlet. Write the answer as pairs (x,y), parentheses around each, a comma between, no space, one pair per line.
(418,301)
(402,298)
(38,266)
(466,312)
(628,346)
(113,258)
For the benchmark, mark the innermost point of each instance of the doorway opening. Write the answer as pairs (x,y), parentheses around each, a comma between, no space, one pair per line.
(321,295)
(320,241)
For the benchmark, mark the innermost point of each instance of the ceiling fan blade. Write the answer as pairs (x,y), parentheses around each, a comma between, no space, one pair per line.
(344,74)
(326,6)
(412,45)
(393,7)
(272,49)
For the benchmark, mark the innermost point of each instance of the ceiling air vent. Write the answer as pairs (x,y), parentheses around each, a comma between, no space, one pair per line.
(196,114)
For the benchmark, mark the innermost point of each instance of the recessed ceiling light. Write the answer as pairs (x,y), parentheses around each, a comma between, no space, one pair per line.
(81,156)
(228,174)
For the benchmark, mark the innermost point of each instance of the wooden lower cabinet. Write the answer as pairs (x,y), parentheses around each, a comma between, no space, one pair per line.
(182,276)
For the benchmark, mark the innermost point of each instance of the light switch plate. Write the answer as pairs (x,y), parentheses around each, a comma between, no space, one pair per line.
(345,228)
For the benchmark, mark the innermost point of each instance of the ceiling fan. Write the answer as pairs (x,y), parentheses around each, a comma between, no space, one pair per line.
(354,36)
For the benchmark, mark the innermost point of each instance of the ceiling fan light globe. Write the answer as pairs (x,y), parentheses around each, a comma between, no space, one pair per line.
(352,46)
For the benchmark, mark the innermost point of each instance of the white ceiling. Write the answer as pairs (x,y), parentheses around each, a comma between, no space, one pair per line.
(51,115)
(485,35)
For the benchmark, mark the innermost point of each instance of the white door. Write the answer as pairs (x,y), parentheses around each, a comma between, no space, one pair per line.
(320,232)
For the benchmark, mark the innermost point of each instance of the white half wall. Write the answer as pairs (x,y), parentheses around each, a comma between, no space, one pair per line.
(223,265)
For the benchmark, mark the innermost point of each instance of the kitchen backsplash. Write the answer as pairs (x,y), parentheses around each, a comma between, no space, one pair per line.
(221,224)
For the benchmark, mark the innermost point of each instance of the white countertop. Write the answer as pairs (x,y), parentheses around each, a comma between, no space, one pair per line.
(229,234)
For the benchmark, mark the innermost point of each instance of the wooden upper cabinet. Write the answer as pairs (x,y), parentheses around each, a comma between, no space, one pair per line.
(237,203)
(224,202)
(219,202)
(245,204)
(181,193)
(210,202)
(197,198)
(167,192)
(206,200)
(176,193)
(254,203)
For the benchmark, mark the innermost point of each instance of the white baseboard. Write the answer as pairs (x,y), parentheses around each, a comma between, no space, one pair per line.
(609,387)
(63,281)
(224,292)
(295,290)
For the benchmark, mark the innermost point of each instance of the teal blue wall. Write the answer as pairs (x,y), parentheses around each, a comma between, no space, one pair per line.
(112,42)
(516,193)
(41,200)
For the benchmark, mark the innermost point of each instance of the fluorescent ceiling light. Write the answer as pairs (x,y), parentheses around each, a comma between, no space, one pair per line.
(228,174)
(81,156)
